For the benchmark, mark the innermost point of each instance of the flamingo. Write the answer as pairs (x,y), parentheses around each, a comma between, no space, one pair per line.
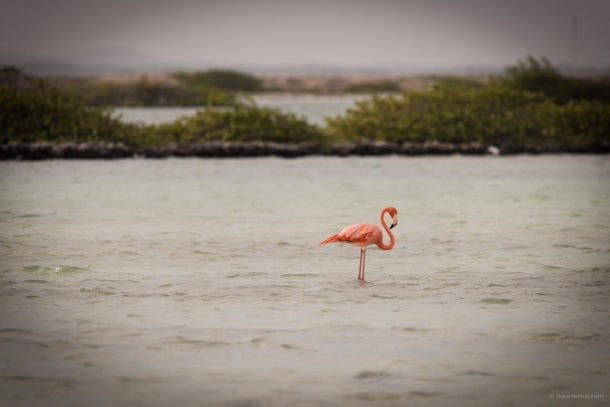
(364,234)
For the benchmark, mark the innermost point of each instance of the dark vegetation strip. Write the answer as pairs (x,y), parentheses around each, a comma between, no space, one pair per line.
(530,108)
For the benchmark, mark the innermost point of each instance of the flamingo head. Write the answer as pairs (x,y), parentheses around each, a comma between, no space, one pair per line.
(394,214)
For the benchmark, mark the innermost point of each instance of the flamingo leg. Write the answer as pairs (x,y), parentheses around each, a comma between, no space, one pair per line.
(361,267)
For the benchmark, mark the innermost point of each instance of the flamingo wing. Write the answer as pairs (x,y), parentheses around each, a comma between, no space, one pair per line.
(362,234)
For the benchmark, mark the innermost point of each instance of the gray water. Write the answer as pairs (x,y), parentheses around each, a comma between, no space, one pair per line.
(314,108)
(198,282)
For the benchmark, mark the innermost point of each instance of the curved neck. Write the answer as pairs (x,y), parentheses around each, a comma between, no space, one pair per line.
(388,231)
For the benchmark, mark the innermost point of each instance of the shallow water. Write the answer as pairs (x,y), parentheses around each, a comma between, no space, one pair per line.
(314,108)
(198,282)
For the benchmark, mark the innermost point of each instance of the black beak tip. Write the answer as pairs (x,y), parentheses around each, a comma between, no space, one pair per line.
(392,225)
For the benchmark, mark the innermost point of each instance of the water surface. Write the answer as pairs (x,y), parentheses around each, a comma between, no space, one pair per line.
(198,282)
(314,108)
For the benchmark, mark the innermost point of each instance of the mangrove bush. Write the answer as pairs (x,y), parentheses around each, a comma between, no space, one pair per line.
(539,75)
(46,114)
(150,93)
(492,115)
(532,107)
(227,80)
(239,124)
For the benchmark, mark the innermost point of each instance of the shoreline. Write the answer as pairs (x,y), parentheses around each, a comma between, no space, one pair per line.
(218,149)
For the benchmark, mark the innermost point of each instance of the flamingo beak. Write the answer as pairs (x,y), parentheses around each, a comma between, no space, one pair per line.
(394,222)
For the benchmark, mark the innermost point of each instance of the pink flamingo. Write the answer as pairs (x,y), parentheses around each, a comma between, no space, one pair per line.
(364,234)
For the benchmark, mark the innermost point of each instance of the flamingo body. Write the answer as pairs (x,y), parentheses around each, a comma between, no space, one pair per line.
(361,235)
(364,234)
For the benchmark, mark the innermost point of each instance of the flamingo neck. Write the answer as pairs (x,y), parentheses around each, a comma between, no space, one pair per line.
(388,231)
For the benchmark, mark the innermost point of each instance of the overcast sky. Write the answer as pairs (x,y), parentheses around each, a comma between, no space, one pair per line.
(387,33)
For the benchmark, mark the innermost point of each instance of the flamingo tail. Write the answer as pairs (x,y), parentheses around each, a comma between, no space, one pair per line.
(329,239)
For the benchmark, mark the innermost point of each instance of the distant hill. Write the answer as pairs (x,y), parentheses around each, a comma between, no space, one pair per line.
(86,63)
(108,61)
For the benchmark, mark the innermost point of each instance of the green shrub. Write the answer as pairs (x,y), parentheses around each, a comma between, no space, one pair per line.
(538,75)
(150,93)
(45,114)
(383,86)
(220,79)
(492,114)
(452,81)
(243,123)
(580,124)
(528,108)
